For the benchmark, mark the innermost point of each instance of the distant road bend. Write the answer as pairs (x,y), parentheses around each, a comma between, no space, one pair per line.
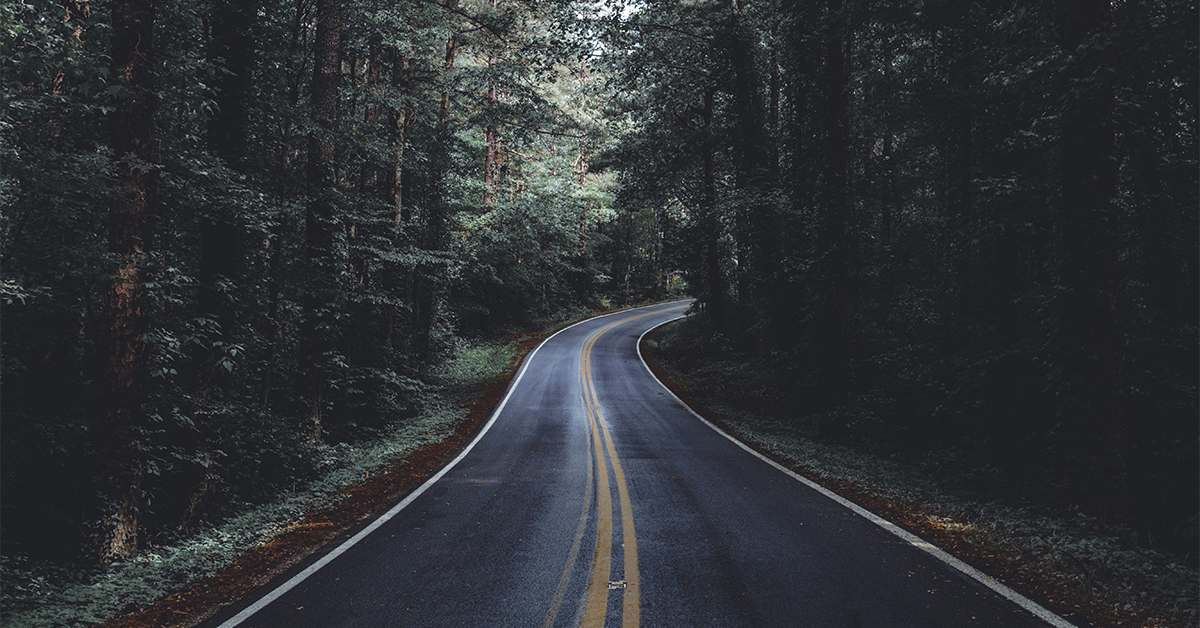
(594,497)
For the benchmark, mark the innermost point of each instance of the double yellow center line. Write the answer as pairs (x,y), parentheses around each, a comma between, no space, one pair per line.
(597,601)
(598,584)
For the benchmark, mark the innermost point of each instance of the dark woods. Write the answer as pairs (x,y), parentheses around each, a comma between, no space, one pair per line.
(964,233)
(237,232)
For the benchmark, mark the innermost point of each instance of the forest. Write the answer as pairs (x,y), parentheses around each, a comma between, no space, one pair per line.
(236,233)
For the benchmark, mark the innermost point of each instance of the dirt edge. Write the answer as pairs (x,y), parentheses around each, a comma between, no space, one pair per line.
(380,490)
(1053,590)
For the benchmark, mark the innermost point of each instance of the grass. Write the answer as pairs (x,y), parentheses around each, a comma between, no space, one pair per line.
(59,596)
(1059,555)
(54,596)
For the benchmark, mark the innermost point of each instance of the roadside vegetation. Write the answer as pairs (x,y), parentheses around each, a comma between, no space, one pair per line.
(49,594)
(958,235)
(249,247)
(76,595)
(1091,573)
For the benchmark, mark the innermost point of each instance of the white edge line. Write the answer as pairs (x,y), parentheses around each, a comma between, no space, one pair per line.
(295,580)
(1020,600)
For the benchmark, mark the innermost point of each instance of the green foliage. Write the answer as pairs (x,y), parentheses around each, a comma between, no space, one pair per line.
(160,570)
(899,208)
(1059,541)
(249,296)
(879,201)
(41,594)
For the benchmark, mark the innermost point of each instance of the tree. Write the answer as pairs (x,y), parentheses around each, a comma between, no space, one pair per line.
(126,305)
(323,246)
(1089,338)
(953,262)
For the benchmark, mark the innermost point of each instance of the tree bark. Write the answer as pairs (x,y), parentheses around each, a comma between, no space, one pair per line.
(318,329)
(448,64)
(888,211)
(294,70)
(712,235)
(402,120)
(757,219)
(491,151)
(776,82)
(433,239)
(126,304)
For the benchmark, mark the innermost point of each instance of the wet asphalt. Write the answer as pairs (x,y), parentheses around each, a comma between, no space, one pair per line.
(721,537)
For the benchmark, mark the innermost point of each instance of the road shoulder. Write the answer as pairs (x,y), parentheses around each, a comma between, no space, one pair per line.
(742,408)
(339,515)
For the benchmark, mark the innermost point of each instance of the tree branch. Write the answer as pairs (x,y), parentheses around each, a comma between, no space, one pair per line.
(480,25)
(699,73)
(668,27)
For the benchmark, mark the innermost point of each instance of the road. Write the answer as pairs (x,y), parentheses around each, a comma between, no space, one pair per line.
(680,527)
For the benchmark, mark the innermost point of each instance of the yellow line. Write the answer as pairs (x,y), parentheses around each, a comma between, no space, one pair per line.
(597,606)
(597,601)
(631,610)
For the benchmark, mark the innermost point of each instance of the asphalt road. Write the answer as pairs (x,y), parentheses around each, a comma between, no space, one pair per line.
(681,527)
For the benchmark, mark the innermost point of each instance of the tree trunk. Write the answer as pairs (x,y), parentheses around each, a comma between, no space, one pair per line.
(1088,339)
(834,245)
(888,210)
(428,283)
(757,220)
(319,327)
(294,69)
(491,151)
(126,305)
(712,225)
(402,120)
(448,64)
(773,112)
(959,152)
(372,182)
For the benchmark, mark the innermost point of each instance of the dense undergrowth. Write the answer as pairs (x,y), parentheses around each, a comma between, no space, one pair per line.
(1100,564)
(61,595)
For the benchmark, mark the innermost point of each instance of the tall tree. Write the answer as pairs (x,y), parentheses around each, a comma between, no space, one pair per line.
(127,310)
(320,327)
(832,275)
(249,216)
(1089,338)
(986,170)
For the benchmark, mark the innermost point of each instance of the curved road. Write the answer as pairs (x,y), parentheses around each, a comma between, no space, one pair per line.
(679,527)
